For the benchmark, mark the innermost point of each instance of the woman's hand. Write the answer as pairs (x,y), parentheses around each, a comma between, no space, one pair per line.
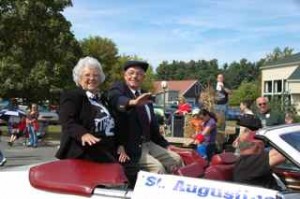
(89,139)
(123,157)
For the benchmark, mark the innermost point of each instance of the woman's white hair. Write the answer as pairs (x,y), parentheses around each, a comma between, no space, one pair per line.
(87,62)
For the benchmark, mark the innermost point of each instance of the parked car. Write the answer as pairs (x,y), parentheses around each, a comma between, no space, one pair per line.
(46,116)
(49,117)
(80,179)
(233,113)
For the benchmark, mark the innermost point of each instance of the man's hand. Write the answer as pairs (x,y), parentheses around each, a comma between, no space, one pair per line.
(140,100)
(89,139)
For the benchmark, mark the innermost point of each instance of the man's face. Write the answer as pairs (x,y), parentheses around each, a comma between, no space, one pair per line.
(134,77)
(262,105)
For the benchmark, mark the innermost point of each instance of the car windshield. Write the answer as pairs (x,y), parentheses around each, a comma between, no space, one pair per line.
(292,139)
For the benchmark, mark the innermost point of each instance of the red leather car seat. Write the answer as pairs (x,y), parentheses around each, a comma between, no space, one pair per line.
(78,177)
(223,158)
(194,163)
(194,170)
(221,167)
(190,156)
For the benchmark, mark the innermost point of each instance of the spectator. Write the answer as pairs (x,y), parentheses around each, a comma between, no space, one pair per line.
(289,118)
(254,166)
(209,132)
(183,106)
(141,141)
(255,163)
(13,121)
(32,125)
(221,100)
(196,122)
(2,159)
(244,131)
(267,116)
(245,107)
(18,130)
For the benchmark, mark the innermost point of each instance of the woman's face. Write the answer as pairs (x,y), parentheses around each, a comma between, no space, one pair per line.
(90,79)
(34,107)
(242,107)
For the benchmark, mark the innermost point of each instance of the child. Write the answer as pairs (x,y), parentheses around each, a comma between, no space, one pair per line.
(196,123)
(207,137)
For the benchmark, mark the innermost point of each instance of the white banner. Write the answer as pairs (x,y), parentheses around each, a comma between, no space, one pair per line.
(156,186)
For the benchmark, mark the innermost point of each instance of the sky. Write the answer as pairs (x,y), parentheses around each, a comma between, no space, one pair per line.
(167,30)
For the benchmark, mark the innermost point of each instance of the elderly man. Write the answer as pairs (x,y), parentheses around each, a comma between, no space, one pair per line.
(267,116)
(140,139)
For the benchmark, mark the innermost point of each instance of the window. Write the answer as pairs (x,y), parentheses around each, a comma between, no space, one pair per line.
(268,87)
(278,87)
(292,139)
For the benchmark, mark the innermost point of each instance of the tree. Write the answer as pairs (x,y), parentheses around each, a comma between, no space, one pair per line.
(202,70)
(105,51)
(247,90)
(278,54)
(242,71)
(37,48)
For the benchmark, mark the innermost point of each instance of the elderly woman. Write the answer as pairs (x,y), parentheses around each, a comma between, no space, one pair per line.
(87,126)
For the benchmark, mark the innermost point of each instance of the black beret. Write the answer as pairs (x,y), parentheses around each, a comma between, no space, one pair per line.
(142,64)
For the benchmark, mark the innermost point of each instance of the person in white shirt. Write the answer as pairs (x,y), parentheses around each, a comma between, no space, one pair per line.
(221,100)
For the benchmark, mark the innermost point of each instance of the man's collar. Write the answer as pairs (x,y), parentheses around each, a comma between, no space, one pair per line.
(133,90)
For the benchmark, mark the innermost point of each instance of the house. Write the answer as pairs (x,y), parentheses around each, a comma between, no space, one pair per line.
(281,78)
(190,89)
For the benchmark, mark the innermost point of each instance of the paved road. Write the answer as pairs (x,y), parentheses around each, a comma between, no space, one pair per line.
(19,154)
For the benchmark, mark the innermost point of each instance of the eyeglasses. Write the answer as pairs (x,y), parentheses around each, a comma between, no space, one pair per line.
(137,73)
(262,104)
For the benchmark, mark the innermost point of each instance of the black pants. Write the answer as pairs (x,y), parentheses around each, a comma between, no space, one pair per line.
(210,150)
(131,171)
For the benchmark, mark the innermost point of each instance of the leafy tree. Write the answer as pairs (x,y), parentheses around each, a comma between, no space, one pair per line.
(37,48)
(278,54)
(238,72)
(247,90)
(202,70)
(105,51)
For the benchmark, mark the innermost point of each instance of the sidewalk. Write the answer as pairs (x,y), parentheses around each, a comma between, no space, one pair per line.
(19,154)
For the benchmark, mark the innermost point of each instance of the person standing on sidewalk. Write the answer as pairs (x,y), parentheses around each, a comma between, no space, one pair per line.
(2,159)
(221,101)
(268,116)
(32,125)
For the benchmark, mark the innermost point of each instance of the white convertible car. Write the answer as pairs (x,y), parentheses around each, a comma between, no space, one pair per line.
(198,179)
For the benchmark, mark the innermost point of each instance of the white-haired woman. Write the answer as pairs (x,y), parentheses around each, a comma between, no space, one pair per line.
(87,125)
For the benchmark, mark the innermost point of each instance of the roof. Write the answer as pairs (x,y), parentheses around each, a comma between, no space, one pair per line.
(179,85)
(293,59)
(295,75)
